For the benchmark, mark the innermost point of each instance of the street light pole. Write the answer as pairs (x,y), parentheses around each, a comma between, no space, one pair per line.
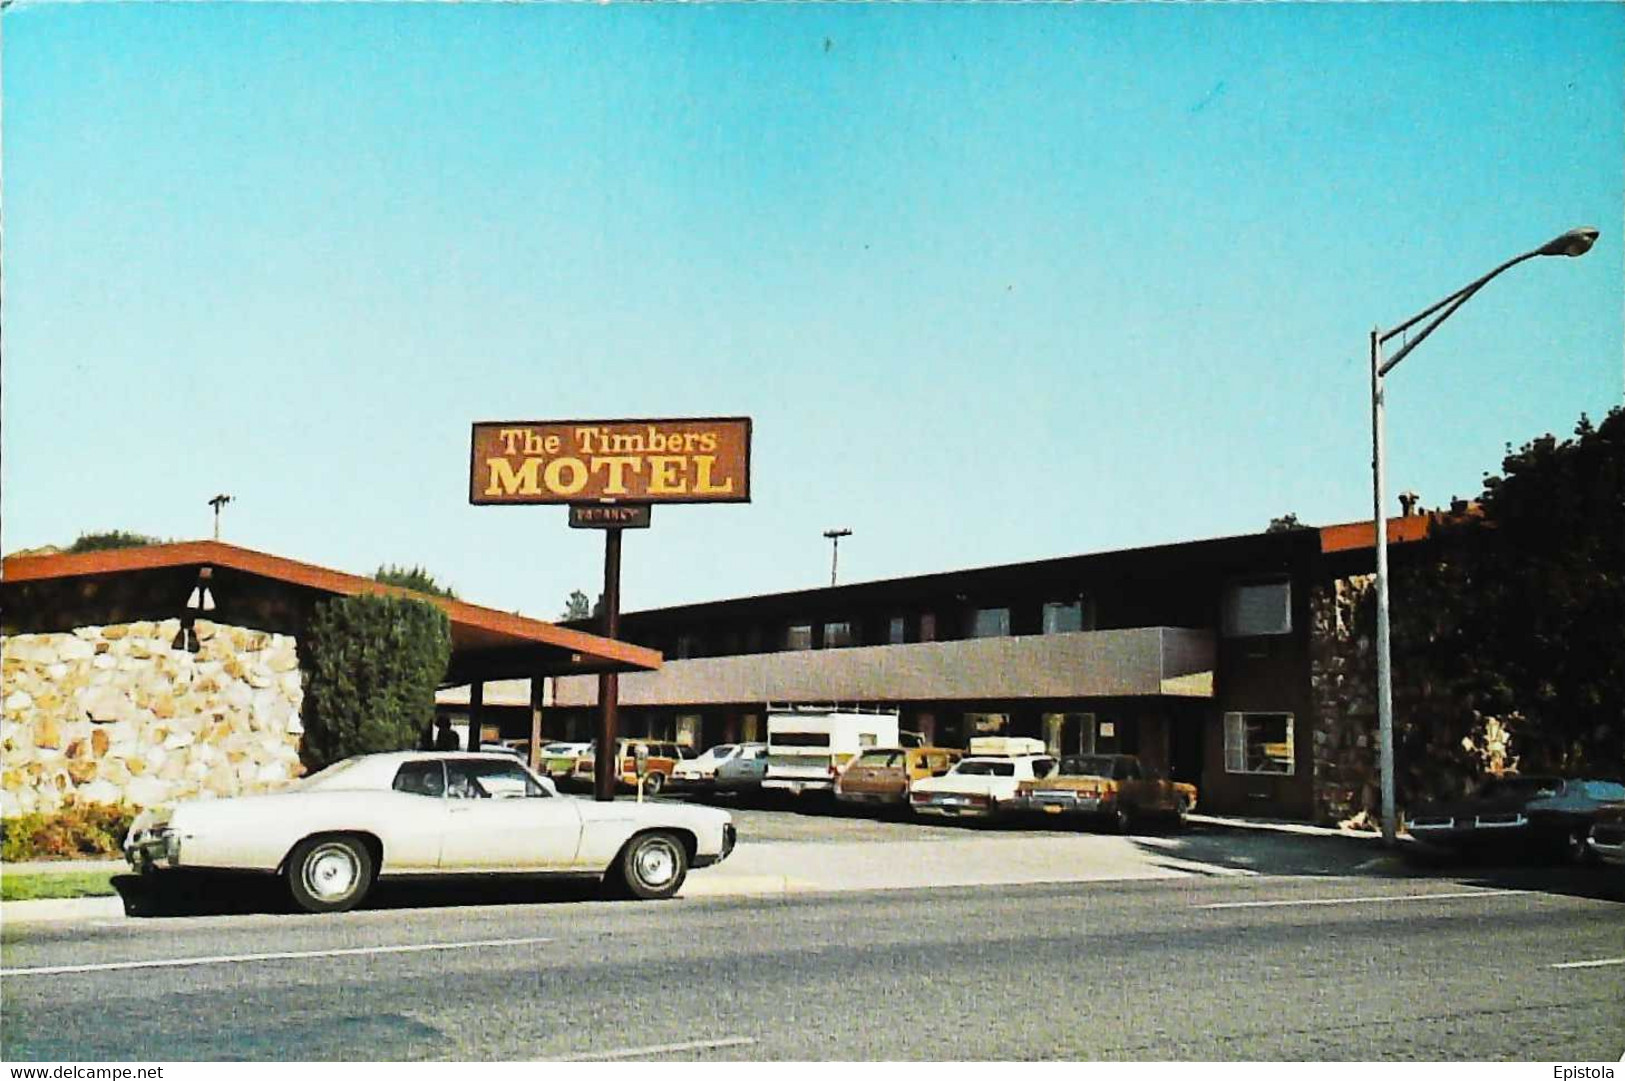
(835,536)
(1575,242)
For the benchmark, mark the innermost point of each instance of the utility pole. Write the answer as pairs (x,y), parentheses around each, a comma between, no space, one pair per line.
(217,502)
(835,536)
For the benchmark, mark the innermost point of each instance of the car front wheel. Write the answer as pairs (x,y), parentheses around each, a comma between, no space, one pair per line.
(329,874)
(653,783)
(653,866)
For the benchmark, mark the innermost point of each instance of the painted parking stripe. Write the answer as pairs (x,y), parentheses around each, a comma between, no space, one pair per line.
(1592,964)
(291,955)
(659,1049)
(1363,900)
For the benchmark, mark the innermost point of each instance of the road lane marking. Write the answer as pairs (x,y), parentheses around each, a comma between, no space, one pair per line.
(1363,900)
(659,1049)
(1591,964)
(291,955)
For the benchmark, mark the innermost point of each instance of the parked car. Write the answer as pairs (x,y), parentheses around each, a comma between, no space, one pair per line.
(981,786)
(1543,814)
(1607,840)
(558,760)
(701,772)
(744,772)
(1109,788)
(662,759)
(884,776)
(409,814)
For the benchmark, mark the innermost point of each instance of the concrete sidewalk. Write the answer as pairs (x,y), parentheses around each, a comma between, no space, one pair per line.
(777,868)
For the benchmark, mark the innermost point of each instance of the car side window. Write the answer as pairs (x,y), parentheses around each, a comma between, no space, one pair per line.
(1043,767)
(421,779)
(477,779)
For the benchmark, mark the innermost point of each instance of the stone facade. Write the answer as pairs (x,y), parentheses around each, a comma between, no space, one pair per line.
(1343,689)
(115,714)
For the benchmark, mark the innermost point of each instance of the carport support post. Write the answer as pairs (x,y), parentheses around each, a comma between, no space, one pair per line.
(534,753)
(476,709)
(605,768)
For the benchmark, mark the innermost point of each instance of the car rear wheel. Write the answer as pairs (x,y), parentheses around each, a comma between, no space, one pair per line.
(653,866)
(329,874)
(653,783)
(1120,821)
(1182,813)
(1575,850)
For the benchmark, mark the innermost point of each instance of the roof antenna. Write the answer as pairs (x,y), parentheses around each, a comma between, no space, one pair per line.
(217,502)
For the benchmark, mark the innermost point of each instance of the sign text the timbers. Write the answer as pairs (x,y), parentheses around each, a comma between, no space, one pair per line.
(624,461)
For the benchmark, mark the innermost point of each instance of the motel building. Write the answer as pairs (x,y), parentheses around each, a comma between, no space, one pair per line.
(1234,663)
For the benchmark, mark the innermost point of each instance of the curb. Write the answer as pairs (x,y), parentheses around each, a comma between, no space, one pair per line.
(1301,829)
(64,910)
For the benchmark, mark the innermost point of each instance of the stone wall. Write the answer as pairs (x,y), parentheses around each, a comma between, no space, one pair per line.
(1343,690)
(116,715)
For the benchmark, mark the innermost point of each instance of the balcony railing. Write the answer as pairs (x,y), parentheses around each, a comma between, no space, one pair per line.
(1142,661)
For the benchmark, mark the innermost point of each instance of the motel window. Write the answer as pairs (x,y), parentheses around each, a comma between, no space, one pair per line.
(1258,743)
(839,635)
(688,645)
(1253,608)
(990,623)
(1063,617)
(798,636)
(928,627)
(896,630)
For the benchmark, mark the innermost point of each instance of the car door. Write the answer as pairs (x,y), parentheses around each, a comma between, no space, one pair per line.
(500,818)
(1132,788)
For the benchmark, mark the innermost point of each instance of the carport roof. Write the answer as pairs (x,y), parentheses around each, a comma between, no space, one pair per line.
(486,643)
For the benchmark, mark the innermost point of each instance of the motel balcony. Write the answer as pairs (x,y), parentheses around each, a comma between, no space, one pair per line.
(1142,661)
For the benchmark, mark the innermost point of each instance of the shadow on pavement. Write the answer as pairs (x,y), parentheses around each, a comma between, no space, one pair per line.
(183,893)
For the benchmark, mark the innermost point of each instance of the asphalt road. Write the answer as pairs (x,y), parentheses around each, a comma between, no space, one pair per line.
(1233,968)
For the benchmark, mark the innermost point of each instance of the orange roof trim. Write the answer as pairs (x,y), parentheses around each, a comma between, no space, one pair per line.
(1356,535)
(473,626)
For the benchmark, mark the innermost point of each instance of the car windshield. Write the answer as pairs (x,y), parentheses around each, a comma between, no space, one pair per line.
(1605,790)
(984,767)
(717,754)
(1086,765)
(1518,787)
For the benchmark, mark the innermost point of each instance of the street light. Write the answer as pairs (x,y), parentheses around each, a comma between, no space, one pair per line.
(835,536)
(1572,243)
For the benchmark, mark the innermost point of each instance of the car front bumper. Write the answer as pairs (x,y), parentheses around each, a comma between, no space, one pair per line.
(152,849)
(730,838)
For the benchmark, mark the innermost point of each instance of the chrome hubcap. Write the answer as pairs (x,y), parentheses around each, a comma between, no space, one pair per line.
(331,872)
(657,864)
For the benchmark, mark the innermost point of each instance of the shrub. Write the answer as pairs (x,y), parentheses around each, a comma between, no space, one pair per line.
(83,829)
(373,664)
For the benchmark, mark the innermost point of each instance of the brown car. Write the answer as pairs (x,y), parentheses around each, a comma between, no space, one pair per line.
(1110,788)
(883,775)
(662,759)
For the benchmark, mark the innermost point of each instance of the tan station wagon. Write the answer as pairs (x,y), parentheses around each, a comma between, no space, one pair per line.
(884,775)
(1109,788)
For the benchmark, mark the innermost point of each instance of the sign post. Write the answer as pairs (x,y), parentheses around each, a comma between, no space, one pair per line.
(610,472)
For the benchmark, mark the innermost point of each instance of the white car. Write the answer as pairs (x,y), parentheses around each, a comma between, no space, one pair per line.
(978,787)
(701,772)
(416,814)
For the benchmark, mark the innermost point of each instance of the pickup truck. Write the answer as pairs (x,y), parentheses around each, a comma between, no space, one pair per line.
(1109,788)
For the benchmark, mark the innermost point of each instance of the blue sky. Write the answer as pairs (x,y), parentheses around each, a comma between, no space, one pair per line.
(995,282)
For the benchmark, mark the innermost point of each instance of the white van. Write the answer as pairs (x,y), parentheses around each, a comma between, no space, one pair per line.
(806,749)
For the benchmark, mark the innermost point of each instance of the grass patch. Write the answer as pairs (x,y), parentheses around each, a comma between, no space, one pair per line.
(51,886)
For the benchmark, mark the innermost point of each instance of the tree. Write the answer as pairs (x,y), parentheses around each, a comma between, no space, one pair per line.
(1547,596)
(113,538)
(413,578)
(1515,618)
(1285,523)
(576,607)
(373,664)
